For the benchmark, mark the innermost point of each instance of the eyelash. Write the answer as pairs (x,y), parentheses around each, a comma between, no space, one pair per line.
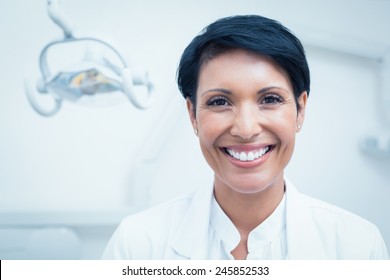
(276,99)
(213,101)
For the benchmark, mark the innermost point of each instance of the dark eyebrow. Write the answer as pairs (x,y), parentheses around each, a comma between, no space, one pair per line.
(226,91)
(265,90)
(218,90)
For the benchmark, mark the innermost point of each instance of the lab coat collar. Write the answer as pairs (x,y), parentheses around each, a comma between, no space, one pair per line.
(303,239)
(191,238)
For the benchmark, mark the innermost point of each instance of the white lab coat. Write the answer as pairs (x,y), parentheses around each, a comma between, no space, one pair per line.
(179,230)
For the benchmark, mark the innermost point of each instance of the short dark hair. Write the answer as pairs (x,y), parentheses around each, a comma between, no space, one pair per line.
(253,33)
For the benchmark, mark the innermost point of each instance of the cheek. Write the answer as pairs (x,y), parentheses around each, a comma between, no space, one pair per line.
(210,129)
(284,126)
(210,126)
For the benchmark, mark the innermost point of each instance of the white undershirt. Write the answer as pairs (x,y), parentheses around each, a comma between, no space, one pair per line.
(267,241)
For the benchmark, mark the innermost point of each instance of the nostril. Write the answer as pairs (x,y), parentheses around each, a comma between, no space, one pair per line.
(246,129)
(246,123)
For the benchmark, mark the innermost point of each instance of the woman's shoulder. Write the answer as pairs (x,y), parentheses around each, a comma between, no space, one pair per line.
(344,235)
(145,234)
(349,230)
(160,213)
(327,211)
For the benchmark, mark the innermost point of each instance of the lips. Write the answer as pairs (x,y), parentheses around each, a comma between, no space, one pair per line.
(247,153)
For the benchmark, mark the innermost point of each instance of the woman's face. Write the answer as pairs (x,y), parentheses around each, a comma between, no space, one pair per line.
(246,118)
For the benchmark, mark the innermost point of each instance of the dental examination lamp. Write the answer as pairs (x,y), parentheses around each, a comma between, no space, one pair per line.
(93,76)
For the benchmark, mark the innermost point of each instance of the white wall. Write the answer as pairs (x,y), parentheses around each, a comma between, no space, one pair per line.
(86,159)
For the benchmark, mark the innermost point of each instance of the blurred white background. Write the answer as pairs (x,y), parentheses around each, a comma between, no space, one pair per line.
(79,172)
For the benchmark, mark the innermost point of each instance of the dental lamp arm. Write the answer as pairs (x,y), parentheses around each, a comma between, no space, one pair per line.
(36,106)
(129,81)
(58,18)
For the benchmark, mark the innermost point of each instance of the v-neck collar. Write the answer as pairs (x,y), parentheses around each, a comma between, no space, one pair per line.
(191,240)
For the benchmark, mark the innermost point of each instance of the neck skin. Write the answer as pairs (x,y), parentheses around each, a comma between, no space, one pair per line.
(247,211)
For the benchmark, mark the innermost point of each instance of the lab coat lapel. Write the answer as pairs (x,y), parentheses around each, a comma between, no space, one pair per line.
(303,238)
(191,238)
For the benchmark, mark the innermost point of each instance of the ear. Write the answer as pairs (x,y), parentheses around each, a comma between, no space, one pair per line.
(191,113)
(302,108)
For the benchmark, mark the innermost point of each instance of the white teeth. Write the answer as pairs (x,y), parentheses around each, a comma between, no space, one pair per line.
(243,156)
(250,156)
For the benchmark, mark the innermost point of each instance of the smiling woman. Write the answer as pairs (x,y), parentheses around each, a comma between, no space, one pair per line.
(246,83)
(252,102)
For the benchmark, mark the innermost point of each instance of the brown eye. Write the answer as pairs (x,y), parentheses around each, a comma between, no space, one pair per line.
(272,99)
(218,101)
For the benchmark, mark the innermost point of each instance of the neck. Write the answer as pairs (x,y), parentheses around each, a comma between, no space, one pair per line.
(247,211)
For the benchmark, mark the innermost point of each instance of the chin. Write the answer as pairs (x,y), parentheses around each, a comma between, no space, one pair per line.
(254,183)
(250,185)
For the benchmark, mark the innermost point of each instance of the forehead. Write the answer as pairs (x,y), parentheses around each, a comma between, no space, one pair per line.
(240,67)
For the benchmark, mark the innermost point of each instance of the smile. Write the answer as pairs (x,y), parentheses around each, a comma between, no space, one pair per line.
(247,155)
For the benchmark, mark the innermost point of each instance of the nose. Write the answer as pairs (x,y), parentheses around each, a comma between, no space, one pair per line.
(247,122)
